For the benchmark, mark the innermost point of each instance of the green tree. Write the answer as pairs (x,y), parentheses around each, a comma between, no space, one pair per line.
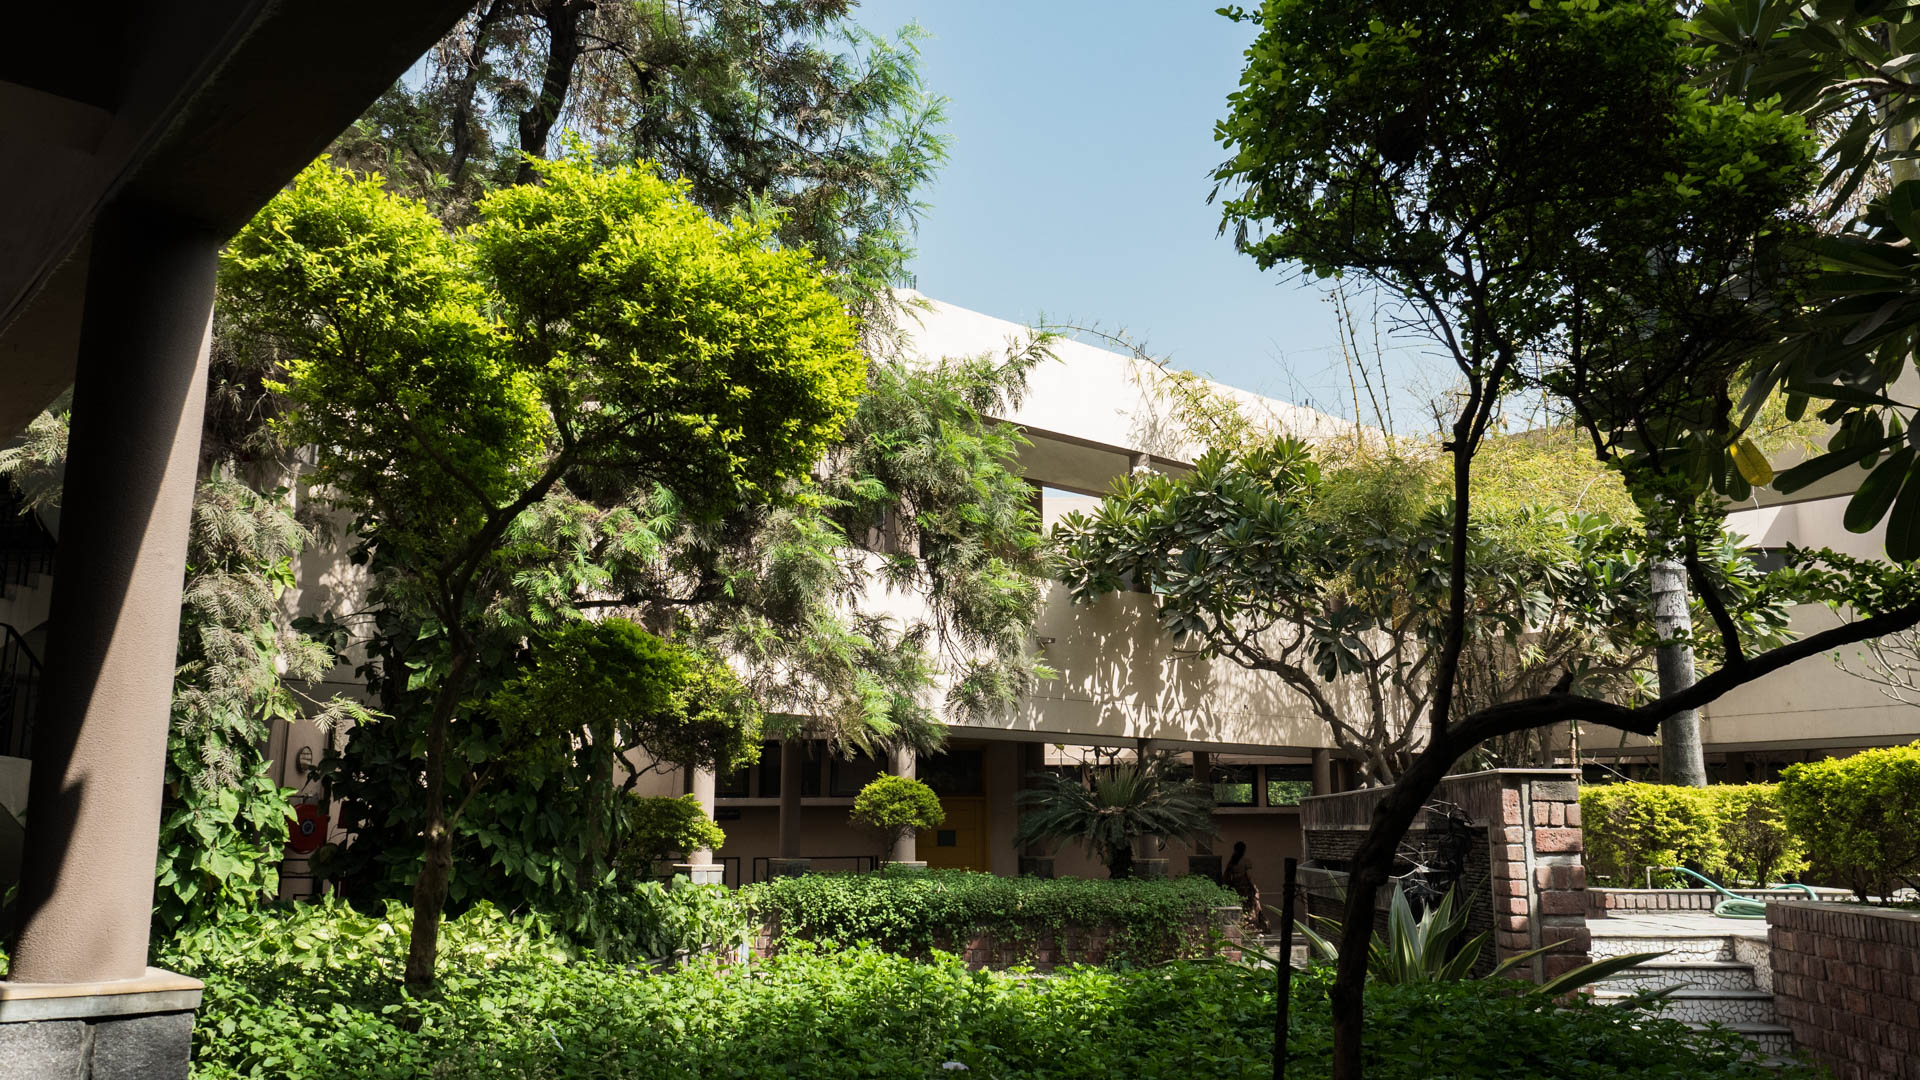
(595,331)
(786,103)
(1332,580)
(1847,68)
(1467,159)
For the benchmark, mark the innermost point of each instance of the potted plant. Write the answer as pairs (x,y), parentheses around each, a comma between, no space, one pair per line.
(895,808)
(1115,809)
(658,828)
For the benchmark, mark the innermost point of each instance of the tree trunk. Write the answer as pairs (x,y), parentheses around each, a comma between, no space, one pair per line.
(1682,758)
(1368,873)
(436,869)
(563,51)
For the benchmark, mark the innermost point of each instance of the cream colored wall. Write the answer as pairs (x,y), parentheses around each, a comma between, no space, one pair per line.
(1813,704)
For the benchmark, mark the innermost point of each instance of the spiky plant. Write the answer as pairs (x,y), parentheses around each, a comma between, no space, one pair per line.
(1113,807)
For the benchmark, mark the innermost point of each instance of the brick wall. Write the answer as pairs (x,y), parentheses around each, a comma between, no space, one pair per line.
(1535,880)
(1846,979)
(1602,902)
(1220,933)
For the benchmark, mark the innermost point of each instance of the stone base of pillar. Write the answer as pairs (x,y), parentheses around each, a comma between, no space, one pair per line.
(136,1027)
(789,867)
(702,873)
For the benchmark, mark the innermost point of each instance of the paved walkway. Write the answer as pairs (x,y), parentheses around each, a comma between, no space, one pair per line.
(1676,924)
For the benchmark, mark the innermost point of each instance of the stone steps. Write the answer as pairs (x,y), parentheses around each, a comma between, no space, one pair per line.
(1719,978)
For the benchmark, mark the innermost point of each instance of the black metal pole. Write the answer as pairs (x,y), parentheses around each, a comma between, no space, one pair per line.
(1285,976)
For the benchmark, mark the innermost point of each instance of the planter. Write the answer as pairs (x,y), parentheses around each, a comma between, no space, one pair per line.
(904,864)
(794,867)
(1150,868)
(1040,866)
(1207,866)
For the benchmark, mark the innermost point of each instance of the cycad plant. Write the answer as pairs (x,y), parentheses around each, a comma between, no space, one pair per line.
(1112,808)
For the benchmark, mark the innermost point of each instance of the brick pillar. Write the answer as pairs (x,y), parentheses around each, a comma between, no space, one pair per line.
(1539,878)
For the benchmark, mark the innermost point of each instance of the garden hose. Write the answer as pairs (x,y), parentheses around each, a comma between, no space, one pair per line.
(1736,906)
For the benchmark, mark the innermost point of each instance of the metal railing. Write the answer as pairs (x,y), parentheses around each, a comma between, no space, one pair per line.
(26,547)
(821,864)
(20,687)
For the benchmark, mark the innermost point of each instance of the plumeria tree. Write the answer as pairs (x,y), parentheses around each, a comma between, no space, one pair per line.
(1467,159)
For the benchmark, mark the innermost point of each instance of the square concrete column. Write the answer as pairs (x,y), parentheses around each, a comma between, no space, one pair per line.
(700,866)
(80,999)
(793,762)
(1322,772)
(902,762)
(101,735)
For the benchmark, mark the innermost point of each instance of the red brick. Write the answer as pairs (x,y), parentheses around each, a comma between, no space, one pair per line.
(1562,902)
(1510,807)
(1573,815)
(1556,840)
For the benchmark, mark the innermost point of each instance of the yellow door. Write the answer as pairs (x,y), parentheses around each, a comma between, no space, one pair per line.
(960,843)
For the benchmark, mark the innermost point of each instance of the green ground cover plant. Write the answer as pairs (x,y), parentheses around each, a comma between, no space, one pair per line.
(316,993)
(1860,817)
(916,912)
(1733,832)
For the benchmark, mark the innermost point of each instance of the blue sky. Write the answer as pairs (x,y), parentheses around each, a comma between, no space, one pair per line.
(1082,140)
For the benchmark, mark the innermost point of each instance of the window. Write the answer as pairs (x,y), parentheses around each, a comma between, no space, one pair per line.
(1288,784)
(955,772)
(769,786)
(850,775)
(732,785)
(1233,785)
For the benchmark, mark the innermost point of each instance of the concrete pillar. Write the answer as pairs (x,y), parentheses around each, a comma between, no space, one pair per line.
(700,866)
(132,461)
(793,762)
(1323,772)
(901,762)
(1203,774)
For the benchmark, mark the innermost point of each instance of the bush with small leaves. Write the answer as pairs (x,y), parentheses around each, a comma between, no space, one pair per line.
(1860,818)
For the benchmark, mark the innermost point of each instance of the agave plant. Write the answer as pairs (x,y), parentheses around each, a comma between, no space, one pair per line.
(1422,949)
(1113,809)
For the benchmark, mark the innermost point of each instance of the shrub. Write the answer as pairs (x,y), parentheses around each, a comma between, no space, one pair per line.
(649,922)
(944,909)
(1859,816)
(314,994)
(659,827)
(1730,831)
(894,806)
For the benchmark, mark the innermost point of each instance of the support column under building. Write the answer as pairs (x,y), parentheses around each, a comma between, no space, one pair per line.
(1322,772)
(793,760)
(100,741)
(902,762)
(79,989)
(700,866)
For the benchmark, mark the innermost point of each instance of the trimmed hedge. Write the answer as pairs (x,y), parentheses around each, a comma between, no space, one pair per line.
(1734,832)
(1860,817)
(917,911)
(315,994)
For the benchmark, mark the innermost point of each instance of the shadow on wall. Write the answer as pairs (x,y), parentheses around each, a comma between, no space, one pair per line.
(1122,677)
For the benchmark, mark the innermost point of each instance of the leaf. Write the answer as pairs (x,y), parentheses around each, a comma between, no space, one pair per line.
(1819,468)
(1903,525)
(1876,494)
(1753,464)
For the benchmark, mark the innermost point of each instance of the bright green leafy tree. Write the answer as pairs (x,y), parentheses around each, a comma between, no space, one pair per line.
(595,331)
